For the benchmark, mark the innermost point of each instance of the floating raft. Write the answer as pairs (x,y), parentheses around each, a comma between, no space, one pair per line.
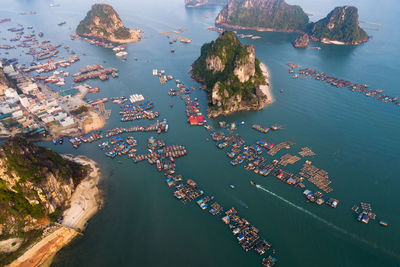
(278,147)
(316,176)
(306,152)
(288,159)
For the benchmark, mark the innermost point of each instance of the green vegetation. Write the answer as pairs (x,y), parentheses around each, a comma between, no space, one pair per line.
(80,110)
(274,14)
(10,123)
(29,238)
(122,33)
(231,53)
(341,24)
(108,19)
(31,162)
(27,168)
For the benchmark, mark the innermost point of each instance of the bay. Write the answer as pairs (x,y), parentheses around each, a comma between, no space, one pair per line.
(355,139)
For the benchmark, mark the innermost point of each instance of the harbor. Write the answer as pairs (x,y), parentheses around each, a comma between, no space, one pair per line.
(140,202)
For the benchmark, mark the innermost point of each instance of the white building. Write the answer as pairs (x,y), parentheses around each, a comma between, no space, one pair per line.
(24,101)
(11,93)
(67,121)
(8,69)
(17,114)
(59,116)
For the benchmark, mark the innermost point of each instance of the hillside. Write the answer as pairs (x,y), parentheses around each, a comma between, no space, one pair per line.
(35,186)
(102,22)
(340,25)
(231,74)
(270,15)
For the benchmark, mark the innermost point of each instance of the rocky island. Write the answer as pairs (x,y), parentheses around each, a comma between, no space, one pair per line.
(232,75)
(102,22)
(37,189)
(198,3)
(340,26)
(263,15)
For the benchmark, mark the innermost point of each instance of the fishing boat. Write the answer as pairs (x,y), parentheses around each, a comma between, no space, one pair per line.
(383,223)
(159,166)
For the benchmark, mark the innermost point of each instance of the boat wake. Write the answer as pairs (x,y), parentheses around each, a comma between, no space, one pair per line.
(331,225)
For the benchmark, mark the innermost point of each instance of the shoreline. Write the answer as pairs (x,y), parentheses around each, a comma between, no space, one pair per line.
(84,203)
(136,36)
(266,89)
(259,29)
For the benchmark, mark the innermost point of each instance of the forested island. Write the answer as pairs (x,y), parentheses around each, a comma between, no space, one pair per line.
(232,76)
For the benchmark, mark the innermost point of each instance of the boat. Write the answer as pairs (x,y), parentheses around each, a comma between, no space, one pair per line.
(121,54)
(383,223)
(253,183)
(172,50)
(363,217)
(232,186)
(159,166)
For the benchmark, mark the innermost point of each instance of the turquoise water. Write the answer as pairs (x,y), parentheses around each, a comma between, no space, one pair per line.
(355,139)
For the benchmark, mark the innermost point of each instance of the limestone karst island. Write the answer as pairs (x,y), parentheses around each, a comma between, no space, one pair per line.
(158,133)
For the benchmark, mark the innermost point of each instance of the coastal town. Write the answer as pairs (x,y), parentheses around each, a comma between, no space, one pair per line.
(52,93)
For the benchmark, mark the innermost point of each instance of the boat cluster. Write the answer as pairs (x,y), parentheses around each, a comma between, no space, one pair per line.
(140,111)
(251,156)
(341,83)
(93,72)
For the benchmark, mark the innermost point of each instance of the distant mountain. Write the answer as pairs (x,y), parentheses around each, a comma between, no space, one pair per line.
(231,74)
(340,25)
(198,3)
(272,15)
(35,186)
(102,22)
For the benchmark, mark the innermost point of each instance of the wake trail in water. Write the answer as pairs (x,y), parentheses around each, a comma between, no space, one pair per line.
(331,225)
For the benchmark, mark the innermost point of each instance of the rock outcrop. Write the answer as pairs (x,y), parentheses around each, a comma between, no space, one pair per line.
(102,22)
(302,41)
(231,74)
(340,26)
(35,186)
(267,15)
(199,3)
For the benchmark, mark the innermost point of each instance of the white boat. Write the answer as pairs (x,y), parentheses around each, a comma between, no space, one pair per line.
(155,72)
(121,54)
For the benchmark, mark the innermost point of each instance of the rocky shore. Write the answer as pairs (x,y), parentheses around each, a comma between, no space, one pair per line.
(86,200)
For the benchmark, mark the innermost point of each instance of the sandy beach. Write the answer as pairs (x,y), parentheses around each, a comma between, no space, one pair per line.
(266,89)
(84,203)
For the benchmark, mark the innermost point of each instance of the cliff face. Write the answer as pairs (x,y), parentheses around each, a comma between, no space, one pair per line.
(231,74)
(198,3)
(273,15)
(339,25)
(104,23)
(35,186)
